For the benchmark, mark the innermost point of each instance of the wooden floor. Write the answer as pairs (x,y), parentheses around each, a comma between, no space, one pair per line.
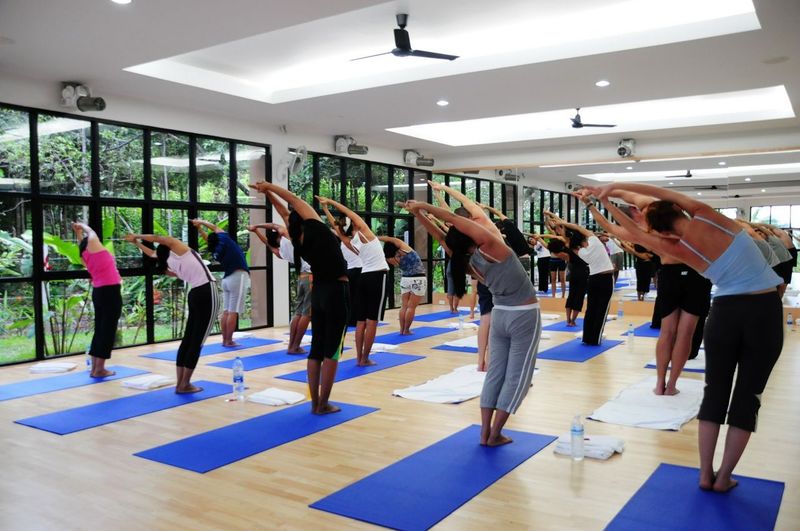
(91,480)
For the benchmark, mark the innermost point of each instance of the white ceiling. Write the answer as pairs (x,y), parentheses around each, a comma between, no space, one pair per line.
(95,40)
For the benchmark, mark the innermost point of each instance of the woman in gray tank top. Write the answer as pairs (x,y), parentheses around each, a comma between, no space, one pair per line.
(516,322)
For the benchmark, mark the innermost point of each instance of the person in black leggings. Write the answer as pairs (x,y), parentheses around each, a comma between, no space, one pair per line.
(176,259)
(106,296)
(744,335)
(330,299)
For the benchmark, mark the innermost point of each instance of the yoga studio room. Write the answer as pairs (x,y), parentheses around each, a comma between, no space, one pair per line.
(360,264)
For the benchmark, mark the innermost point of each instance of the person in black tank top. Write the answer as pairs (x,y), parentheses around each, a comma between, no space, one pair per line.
(315,243)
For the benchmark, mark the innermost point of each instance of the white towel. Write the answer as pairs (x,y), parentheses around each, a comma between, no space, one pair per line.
(272,396)
(637,406)
(305,341)
(242,335)
(148,381)
(460,385)
(550,317)
(697,364)
(382,347)
(650,296)
(466,326)
(580,335)
(53,366)
(594,446)
(472,341)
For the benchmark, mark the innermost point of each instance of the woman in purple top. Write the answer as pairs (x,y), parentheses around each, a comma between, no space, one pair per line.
(106,296)
(176,259)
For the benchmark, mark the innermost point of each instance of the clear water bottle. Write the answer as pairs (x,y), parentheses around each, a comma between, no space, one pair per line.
(631,336)
(576,438)
(620,312)
(88,357)
(238,379)
(790,321)
(460,322)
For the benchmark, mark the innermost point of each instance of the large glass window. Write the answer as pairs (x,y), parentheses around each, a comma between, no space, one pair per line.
(330,177)
(121,161)
(15,153)
(61,253)
(213,171)
(251,167)
(169,164)
(302,183)
(356,185)
(17,322)
(400,186)
(65,162)
(380,189)
(15,237)
(117,222)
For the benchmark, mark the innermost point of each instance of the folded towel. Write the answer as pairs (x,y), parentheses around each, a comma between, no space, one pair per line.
(148,381)
(272,396)
(637,406)
(594,446)
(580,335)
(460,385)
(465,326)
(697,364)
(242,335)
(383,347)
(53,366)
(550,317)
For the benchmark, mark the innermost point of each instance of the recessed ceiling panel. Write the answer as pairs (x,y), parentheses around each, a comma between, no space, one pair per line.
(315,58)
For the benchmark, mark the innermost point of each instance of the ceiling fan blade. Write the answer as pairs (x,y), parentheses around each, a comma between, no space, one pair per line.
(368,56)
(599,125)
(401,39)
(433,55)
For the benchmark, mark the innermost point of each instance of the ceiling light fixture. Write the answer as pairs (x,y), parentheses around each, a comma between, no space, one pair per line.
(722,163)
(602,83)
(747,179)
(790,168)
(442,103)
(671,182)
(763,190)
(121,2)
(629,167)
(699,193)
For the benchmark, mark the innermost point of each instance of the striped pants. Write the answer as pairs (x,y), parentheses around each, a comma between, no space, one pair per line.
(203,305)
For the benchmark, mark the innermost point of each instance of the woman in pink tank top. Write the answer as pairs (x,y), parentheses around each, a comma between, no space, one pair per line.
(106,296)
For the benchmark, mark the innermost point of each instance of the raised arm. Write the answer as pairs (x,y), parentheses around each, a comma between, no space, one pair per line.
(494,211)
(358,222)
(491,243)
(82,230)
(604,222)
(335,226)
(400,244)
(303,209)
(577,228)
(174,244)
(685,202)
(279,207)
(660,245)
(476,213)
(199,224)
(270,226)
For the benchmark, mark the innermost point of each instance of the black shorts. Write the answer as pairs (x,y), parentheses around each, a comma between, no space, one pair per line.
(793,252)
(557,264)
(681,287)
(330,309)
(644,274)
(372,295)
(485,301)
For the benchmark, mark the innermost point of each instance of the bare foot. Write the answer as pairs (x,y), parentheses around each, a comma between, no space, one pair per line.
(367,363)
(671,391)
(295,351)
(659,388)
(721,485)
(499,440)
(188,389)
(230,344)
(102,374)
(707,483)
(327,409)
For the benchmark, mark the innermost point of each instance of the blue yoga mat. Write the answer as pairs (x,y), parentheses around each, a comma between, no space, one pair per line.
(213,449)
(93,415)
(425,487)
(268,359)
(466,350)
(644,331)
(418,332)
(438,316)
(561,326)
(58,383)
(348,369)
(752,505)
(576,351)
(217,348)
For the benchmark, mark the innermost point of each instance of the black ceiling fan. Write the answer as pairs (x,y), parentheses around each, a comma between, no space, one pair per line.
(402,44)
(687,175)
(577,123)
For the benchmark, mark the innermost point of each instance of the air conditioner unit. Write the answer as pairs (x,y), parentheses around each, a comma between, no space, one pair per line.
(572,187)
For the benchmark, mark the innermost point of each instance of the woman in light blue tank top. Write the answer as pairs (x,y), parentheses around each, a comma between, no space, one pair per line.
(744,334)
(479,248)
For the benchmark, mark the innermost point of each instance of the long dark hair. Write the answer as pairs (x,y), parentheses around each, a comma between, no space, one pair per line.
(344,226)
(295,233)
(390,250)
(162,254)
(274,238)
(212,242)
(576,239)
(460,246)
